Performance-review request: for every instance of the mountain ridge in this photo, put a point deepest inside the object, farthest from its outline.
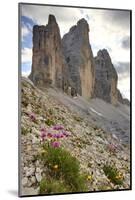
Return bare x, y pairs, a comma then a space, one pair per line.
69, 64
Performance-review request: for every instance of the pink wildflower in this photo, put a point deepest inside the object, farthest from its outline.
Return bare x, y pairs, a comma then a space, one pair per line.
43, 136
50, 135
112, 147
65, 134
32, 116
42, 129
56, 144
58, 127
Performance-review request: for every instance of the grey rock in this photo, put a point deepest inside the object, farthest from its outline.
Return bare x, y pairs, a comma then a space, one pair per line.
126, 101
35, 140
48, 64
30, 171
30, 191
37, 163
33, 180
38, 177
79, 57
24, 181
106, 79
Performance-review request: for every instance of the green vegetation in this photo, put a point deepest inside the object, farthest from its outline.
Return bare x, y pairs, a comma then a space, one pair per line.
23, 130
113, 174
49, 122
53, 186
63, 166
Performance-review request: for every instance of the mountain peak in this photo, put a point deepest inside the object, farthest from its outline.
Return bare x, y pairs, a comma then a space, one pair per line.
51, 19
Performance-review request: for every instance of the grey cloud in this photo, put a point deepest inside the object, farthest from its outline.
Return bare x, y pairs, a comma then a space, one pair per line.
125, 43
118, 17
40, 13
123, 68
87, 17
81, 11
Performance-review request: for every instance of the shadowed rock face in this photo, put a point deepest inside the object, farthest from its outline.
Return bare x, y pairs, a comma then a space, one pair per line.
48, 64
79, 57
106, 78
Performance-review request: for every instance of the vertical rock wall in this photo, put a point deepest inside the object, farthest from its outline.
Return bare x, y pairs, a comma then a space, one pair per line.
48, 64
79, 57
106, 78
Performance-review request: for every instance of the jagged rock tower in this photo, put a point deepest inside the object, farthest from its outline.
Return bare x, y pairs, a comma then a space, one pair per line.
48, 63
79, 57
106, 78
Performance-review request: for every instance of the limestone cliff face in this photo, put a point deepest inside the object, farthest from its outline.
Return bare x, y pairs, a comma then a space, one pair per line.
69, 65
79, 57
106, 78
48, 64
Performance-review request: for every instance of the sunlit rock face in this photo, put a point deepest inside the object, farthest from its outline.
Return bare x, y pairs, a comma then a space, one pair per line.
48, 63
79, 57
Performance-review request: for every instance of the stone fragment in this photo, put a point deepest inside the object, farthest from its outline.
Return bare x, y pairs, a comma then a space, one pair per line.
30, 171
24, 181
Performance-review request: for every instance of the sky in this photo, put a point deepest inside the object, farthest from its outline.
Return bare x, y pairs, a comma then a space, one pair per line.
109, 29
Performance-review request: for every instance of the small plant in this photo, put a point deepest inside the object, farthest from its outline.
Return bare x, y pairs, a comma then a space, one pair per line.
113, 174
60, 163
53, 186
23, 130
77, 118
50, 111
105, 187
49, 122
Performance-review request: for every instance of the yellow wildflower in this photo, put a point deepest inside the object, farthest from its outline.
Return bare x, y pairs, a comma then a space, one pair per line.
43, 151
55, 167
89, 178
119, 176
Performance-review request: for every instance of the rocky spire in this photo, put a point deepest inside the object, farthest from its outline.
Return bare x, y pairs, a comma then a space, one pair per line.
79, 57
48, 64
106, 78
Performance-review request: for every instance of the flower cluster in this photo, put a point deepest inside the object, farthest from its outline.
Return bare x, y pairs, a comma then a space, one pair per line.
53, 135
32, 116
112, 147
120, 176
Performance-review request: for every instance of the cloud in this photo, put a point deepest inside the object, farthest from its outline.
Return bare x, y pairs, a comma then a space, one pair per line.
26, 27
26, 68
25, 31
66, 17
26, 55
120, 18
123, 68
124, 86
125, 43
